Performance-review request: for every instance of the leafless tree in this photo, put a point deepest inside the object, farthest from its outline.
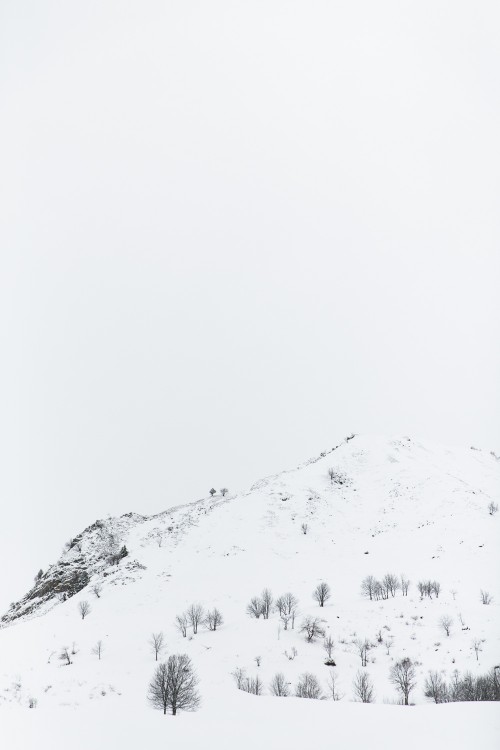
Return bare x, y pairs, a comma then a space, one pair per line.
293, 653
195, 616
257, 660
279, 686
363, 645
254, 685
312, 627
308, 687
391, 584
239, 677
368, 587
287, 606
403, 677
435, 687
446, 622
363, 687
98, 649
322, 593
476, 645
173, 686
181, 623
389, 643
331, 474
83, 609
212, 492
213, 619
65, 655
224, 491
486, 598
267, 603
492, 508
332, 686
328, 645
97, 589
156, 643
436, 588
404, 584
254, 608
304, 528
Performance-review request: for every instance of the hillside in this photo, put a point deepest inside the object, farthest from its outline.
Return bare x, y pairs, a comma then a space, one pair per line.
389, 506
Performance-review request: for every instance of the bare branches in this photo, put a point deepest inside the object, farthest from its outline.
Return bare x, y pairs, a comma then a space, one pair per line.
363, 688
308, 687
279, 686
84, 609
156, 643
312, 627
446, 622
181, 623
97, 589
98, 649
213, 619
195, 616
322, 593
173, 686
403, 677
363, 646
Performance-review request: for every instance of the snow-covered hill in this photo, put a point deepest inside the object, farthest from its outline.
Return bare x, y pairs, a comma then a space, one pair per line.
388, 506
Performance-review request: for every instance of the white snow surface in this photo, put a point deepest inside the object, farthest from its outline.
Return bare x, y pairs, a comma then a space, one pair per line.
406, 507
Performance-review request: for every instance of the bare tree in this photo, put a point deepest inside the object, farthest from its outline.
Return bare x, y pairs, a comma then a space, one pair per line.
287, 606
212, 492
328, 645
368, 587
239, 677
436, 588
304, 528
363, 687
312, 627
476, 645
322, 593
173, 686
195, 616
213, 619
446, 622
403, 677
390, 583
486, 598
97, 589
389, 643
181, 623
65, 655
83, 609
267, 603
156, 643
308, 687
404, 584
332, 686
492, 508
363, 646
279, 686
254, 608
331, 474
254, 685
98, 649
435, 687
224, 491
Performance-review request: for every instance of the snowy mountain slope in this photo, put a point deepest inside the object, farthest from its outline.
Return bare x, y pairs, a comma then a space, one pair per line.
392, 506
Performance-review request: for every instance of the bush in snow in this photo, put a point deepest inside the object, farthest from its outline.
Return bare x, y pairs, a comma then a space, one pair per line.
486, 598
363, 688
312, 627
308, 687
279, 685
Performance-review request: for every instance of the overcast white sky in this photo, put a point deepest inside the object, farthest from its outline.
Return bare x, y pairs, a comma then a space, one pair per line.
231, 233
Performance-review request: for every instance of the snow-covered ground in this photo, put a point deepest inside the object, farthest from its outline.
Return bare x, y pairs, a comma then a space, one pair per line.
404, 507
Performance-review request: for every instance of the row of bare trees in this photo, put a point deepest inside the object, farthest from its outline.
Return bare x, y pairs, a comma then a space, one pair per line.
468, 687
387, 586
195, 616
285, 605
